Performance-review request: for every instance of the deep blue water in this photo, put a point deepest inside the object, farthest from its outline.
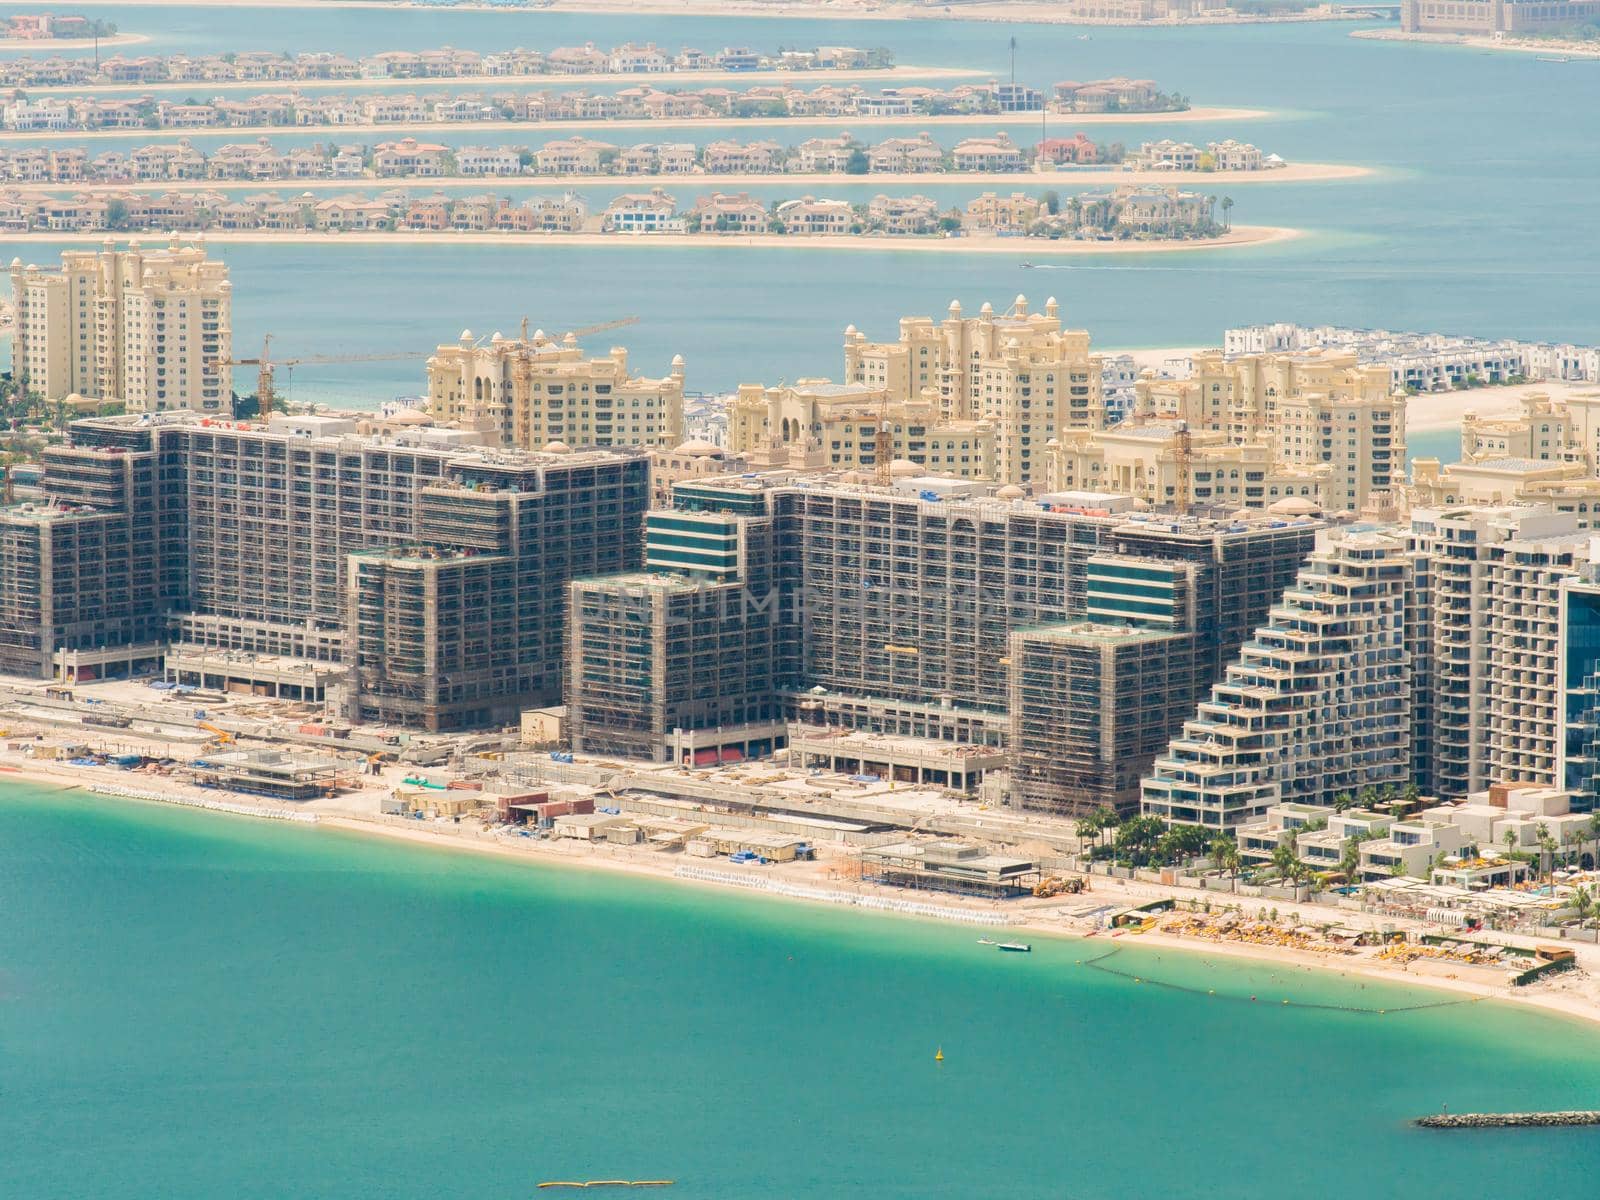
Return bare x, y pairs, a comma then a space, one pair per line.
1479, 220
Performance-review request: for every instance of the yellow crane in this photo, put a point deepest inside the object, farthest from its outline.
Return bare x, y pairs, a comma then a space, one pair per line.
883, 447
266, 365
1183, 452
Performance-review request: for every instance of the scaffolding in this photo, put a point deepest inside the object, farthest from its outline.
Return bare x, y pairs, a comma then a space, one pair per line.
1091, 706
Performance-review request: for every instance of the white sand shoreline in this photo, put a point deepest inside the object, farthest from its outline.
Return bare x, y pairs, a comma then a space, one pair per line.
1431, 412
1241, 235
584, 857
722, 125
1553, 48
716, 181
453, 83
1008, 11
58, 45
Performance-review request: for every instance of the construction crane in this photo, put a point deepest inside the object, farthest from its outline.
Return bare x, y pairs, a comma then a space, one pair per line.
1183, 452
266, 366
883, 447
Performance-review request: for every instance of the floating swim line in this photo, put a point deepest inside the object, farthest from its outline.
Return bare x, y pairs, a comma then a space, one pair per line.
1095, 963
593, 1183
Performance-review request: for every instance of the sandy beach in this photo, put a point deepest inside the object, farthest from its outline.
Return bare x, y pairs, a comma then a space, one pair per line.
1240, 235
1433, 411
1549, 47
53, 45
1295, 173
1573, 995
599, 129
476, 82
1015, 11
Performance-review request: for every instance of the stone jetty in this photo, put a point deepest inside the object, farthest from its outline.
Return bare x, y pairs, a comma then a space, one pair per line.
1532, 1120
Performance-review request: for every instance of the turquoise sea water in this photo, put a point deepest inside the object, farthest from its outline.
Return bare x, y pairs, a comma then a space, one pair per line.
1477, 221
202, 1006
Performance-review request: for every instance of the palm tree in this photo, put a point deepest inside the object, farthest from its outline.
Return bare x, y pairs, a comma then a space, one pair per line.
1089, 828
1584, 900
1227, 206
1225, 854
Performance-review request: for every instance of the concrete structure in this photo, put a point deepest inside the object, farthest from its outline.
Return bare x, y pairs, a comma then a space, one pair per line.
1493, 17
151, 328
918, 761
891, 610
1315, 706
431, 570
1020, 372
275, 773
1425, 362
1321, 412
528, 392
1482, 650
1548, 454
680, 663
814, 425
1091, 704
949, 866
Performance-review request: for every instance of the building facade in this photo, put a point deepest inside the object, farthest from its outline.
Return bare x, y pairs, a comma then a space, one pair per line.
898, 604
530, 391
1315, 705
149, 327
430, 568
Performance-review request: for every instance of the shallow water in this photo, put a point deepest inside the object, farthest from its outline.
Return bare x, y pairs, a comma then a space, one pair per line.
196, 1005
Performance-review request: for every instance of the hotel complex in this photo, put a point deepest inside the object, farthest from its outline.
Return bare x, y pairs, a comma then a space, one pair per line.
531, 391
1015, 398
1225, 602
151, 328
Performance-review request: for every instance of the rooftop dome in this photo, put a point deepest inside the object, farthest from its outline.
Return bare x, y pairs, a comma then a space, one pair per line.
411, 416
1295, 506
557, 448
696, 448
74, 398
904, 468
1010, 492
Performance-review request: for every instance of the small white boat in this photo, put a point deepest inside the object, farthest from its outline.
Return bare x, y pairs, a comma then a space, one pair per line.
1016, 947
986, 942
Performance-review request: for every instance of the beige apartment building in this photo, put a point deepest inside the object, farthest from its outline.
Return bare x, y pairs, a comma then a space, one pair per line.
1147, 461
1309, 410
816, 425
532, 391
1549, 453
1018, 371
151, 328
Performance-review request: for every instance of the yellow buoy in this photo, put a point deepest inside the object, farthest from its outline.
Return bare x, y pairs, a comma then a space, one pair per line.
938, 1055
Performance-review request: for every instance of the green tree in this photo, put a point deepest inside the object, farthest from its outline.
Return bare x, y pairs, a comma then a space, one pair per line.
1583, 899
857, 163
1284, 859
1227, 207
1051, 201
1225, 854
